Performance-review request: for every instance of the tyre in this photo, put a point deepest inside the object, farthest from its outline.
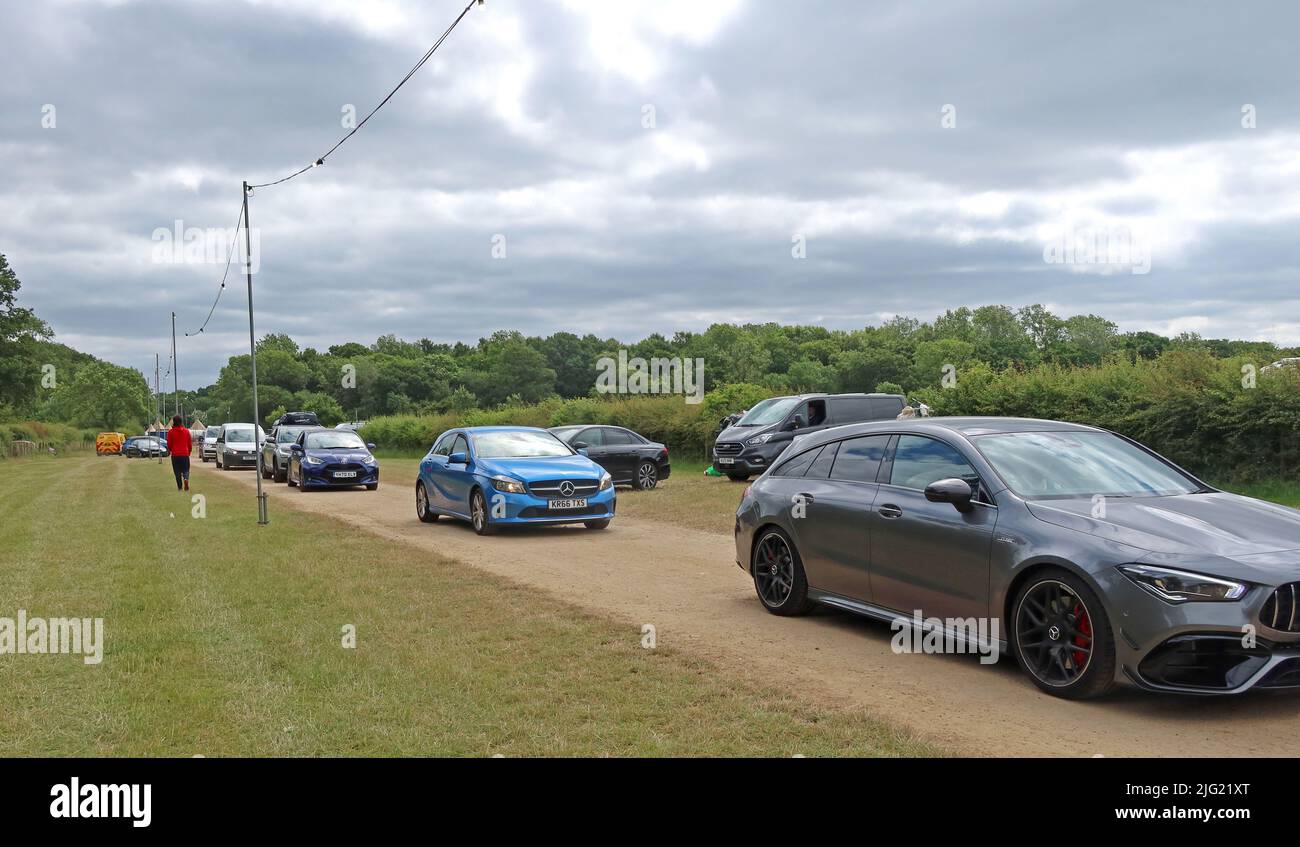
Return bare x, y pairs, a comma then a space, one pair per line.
280, 474
778, 574
601, 524
478, 514
374, 486
1062, 637
289, 479
265, 471
647, 476
203, 459
735, 477
422, 510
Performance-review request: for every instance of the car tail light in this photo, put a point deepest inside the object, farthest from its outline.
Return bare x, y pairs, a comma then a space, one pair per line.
663, 454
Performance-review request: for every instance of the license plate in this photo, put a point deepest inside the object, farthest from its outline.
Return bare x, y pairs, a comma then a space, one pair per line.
728, 461
576, 503
345, 475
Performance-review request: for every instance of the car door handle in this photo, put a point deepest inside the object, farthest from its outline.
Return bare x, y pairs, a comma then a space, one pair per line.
889, 510
805, 497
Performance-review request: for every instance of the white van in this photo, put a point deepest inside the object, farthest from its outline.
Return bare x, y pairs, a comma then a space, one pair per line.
237, 445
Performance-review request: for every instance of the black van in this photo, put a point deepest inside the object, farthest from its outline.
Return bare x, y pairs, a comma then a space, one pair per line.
755, 441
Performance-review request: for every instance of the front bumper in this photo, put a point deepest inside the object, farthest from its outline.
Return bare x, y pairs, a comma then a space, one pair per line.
1198, 648
519, 509
239, 460
324, 476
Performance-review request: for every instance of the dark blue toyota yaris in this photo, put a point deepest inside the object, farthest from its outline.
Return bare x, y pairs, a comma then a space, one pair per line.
332, 458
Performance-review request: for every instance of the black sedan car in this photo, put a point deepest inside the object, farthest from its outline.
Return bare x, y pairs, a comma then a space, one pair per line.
631, 459
143, 447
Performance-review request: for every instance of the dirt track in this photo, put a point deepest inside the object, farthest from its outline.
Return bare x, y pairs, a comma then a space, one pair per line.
686, 583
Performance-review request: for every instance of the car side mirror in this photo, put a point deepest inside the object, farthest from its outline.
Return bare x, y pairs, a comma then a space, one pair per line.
295, 448
955, 491
458, 458
797, 422
370, 445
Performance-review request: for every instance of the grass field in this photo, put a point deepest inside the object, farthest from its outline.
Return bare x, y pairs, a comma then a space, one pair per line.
224, 639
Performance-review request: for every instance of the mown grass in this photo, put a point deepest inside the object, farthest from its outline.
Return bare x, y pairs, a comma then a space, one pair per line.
224, 638
1285, 492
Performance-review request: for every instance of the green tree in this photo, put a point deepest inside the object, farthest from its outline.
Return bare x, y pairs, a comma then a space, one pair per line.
19, 330
105, 396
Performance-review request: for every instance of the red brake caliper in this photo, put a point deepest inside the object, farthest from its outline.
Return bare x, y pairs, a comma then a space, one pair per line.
1084, 638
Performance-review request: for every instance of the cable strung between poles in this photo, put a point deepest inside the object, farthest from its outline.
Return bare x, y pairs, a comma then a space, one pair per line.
230, 255
320, 160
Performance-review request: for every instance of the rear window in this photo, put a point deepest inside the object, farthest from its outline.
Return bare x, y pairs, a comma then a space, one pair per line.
798, 465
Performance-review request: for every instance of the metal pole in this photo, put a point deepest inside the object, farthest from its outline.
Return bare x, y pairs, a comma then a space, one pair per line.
176, 370
262, 519
157, 394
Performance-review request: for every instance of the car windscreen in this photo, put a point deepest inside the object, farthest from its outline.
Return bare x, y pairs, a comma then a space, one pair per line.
239, 434
1057, 465
212, 432
769, 412
334, 440
288, 434
518, 445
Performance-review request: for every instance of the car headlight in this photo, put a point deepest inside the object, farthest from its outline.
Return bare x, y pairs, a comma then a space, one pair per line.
370, 460
312, 460
1182, 587
759, 439
606, 482
507, 485
283, 451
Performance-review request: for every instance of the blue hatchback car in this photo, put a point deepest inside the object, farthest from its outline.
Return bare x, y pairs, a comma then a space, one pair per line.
495, 476
331, 458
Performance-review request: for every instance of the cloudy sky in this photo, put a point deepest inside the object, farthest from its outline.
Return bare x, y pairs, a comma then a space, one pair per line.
647, 165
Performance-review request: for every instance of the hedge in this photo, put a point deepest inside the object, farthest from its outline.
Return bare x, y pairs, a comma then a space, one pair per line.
1203, 412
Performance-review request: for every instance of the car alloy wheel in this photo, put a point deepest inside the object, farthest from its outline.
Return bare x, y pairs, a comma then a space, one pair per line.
647, 476
778, 575
478, 514
774, 570
1054, 633
422, 510
1062, 636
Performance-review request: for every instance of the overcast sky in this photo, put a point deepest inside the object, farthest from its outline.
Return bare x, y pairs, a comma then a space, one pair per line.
648, 165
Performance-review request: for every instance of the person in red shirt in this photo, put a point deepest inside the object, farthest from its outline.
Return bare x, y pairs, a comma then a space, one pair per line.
180, 445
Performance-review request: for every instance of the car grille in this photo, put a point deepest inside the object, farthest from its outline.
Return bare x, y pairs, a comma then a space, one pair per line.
550, 488
1281, 612
543, 512
728, 448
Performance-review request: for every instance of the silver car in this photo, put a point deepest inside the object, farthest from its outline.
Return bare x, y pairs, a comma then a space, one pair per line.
1094, 560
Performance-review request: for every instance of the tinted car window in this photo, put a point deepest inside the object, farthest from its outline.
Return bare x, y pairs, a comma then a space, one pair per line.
850, 409
619, 438
797, 465
884, 408
443, 446
592, 437
858, 459
919, 461
821, 466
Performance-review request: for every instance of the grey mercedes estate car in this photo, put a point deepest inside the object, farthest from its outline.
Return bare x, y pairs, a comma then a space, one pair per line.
1098, 561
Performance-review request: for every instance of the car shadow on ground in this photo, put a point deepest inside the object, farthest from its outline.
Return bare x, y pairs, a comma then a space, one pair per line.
1138, 703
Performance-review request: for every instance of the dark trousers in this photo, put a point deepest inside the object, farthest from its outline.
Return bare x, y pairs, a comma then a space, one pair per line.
181, 468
